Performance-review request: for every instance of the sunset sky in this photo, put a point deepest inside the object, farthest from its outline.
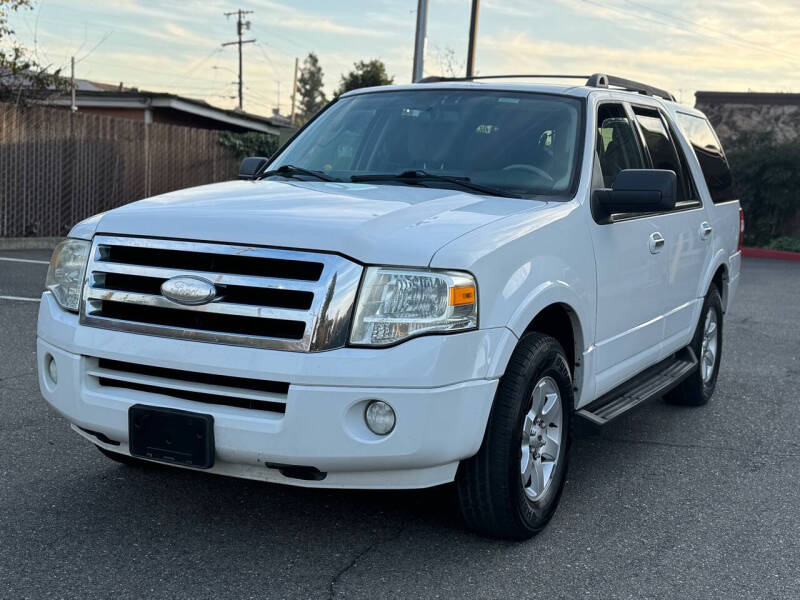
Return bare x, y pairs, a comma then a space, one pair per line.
174, 46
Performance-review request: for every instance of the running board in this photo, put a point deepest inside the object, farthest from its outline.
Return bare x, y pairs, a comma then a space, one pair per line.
650, 383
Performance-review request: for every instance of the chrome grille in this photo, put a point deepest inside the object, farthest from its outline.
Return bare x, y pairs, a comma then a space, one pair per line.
266, 297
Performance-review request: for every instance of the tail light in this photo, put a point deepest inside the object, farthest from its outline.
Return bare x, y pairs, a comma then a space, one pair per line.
741, 229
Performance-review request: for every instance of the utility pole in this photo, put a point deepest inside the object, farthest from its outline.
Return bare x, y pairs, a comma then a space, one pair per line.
278, 99
294, 86
419, 40
241, 25
473, 33
73, 107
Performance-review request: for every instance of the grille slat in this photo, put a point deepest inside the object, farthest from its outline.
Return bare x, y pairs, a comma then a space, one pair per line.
216, 278
220, 308
269, 298
199, 260
208, 388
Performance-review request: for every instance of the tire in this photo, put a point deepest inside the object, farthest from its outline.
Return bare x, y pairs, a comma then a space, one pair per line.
123, 458
697, 389
492, 497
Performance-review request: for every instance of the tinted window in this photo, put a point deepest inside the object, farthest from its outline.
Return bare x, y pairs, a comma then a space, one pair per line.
522, 143
710, 155
663, 153
617, 148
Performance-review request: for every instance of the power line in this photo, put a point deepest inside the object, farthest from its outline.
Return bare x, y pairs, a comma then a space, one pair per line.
95, 47
726, 34
241, 25
200, 62
728, 37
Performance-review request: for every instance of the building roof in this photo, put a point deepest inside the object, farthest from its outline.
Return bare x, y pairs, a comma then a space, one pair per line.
746, 98
100, 95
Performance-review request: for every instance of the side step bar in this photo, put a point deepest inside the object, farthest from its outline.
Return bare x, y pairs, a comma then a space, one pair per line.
650, 383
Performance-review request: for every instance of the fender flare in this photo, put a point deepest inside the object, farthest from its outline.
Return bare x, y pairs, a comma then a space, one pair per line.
719, 259
547, 294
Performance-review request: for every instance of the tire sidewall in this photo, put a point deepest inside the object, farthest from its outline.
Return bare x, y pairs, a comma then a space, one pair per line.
712, 302
550, 362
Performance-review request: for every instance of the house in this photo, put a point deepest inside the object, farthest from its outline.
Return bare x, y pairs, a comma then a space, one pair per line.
735, 113
159, 107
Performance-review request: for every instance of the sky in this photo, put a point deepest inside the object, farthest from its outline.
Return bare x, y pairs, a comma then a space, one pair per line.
175, 46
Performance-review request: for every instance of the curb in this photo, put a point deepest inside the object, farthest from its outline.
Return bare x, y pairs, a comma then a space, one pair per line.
31, 243
772, 254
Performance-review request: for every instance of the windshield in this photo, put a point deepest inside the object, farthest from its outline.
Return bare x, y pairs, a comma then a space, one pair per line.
515, 142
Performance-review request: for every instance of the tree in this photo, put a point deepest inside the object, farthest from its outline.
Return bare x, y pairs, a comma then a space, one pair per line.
449, 65
766, 176
309, 87
365, 74
21, 76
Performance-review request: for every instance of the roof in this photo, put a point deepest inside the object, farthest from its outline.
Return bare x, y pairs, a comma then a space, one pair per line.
575, 91
92, 94
564, 90
592, 83
747, 98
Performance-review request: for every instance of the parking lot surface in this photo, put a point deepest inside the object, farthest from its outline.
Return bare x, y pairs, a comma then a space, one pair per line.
666, 502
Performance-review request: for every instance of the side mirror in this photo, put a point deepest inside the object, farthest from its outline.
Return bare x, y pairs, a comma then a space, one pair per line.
639, 191
251, 165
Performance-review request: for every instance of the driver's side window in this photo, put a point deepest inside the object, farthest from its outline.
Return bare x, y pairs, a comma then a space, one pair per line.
617, 146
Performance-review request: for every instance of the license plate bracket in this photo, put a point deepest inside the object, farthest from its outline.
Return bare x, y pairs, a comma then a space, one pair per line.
171, 435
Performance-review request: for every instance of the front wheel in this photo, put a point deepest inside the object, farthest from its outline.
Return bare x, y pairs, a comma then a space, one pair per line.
511, 488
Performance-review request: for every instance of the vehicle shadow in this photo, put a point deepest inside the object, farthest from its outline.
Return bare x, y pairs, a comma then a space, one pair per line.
128, 498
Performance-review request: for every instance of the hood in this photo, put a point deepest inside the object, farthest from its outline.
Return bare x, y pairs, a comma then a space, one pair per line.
378, 224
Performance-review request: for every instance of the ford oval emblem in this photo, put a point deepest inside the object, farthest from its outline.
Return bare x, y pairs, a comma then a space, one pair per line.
188, 290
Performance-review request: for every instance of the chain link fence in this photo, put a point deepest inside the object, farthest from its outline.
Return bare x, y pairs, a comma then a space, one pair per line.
58, 167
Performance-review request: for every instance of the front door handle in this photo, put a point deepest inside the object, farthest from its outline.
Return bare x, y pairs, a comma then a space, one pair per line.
656, 242
705, 230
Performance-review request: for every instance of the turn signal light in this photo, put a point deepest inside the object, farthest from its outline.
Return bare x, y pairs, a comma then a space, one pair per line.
461, 295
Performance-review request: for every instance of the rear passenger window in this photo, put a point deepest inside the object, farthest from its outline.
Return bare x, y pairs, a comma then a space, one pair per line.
663, 153
617, 148
709, 154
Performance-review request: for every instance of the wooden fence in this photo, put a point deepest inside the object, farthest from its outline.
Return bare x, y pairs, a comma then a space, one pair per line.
57, 167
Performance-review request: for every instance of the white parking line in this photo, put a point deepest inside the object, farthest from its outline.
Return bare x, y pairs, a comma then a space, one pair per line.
25, 260
20, 298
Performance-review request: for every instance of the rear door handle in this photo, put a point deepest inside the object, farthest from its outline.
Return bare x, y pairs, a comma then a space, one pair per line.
656, 242
705, 230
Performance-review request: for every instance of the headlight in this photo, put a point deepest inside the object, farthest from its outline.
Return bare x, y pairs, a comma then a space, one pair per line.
65, 275
396, 304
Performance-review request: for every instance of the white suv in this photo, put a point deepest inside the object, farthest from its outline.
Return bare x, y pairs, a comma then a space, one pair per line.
428, 283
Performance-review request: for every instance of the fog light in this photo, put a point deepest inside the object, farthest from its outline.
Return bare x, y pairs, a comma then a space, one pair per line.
52, 370
379, 417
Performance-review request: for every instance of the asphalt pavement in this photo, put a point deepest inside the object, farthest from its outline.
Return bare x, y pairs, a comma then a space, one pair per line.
666, 502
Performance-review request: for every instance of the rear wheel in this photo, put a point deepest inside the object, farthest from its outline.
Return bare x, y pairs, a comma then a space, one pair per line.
698, 388
511, 488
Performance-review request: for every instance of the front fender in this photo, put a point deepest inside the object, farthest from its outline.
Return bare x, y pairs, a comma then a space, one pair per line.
525, 263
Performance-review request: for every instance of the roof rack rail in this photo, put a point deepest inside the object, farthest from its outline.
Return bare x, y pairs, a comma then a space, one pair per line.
598, 80
436, 78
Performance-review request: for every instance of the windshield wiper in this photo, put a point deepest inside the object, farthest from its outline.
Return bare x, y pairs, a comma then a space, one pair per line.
418, 175
291, 171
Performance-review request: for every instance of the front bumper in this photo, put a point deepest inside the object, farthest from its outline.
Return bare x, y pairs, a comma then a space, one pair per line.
441, 388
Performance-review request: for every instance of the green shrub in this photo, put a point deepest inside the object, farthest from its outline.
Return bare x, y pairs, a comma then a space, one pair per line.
767, 179
251, 143
790, 244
